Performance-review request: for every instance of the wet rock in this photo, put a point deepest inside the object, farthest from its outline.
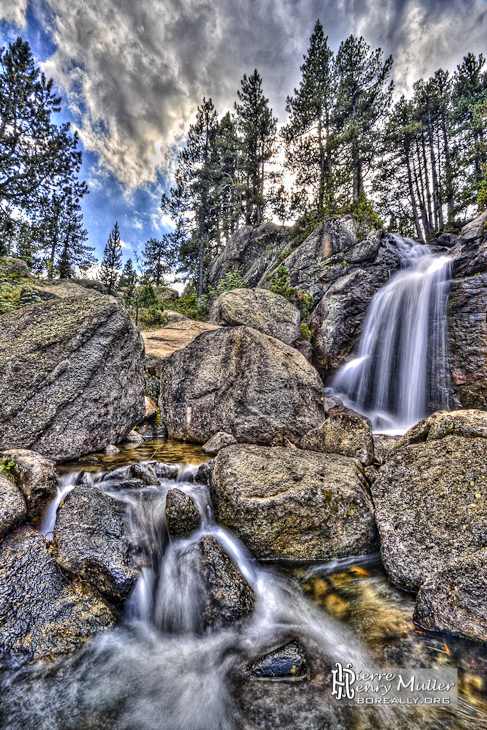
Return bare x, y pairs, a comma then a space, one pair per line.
227, 596
218, 442
91, 539
112, 450
35, 476
142, 471
260, 309
287, 662
165, 471
243, 382
342, 433
204, 472
466, 423
134, 438
332, 401
430, 499
182, 517
71, 376
13, 509
41, 613
475, 229
150, 408
291, 504
454, 599
337, 321
117, 485
467, 338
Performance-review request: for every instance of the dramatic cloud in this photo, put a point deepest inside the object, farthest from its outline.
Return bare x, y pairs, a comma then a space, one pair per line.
14, 11
134, 72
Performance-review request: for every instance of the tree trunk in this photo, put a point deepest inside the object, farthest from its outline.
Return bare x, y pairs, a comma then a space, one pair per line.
412, 197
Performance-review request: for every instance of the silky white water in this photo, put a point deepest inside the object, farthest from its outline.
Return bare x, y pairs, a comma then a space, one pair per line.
400, 374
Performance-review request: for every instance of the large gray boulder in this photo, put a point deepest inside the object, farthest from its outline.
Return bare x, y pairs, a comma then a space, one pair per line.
92, 541
345, 433
454, 599
431, 499
242, 382
261, 309
71, 376
289, 504
476, 228
35, 476
41, 613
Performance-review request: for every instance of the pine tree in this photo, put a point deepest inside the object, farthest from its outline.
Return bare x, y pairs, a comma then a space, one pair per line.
257, 128
193, 203
112, 260
63, 238
309, 135
364, 96
39, 160
158, 257
229, 189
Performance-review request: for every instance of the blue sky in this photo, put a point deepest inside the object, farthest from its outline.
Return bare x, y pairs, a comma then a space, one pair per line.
132, 74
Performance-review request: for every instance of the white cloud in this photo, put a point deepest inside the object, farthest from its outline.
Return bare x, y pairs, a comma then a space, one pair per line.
125, 245
13, 11
134, 72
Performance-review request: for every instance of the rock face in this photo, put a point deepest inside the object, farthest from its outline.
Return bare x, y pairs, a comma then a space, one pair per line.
430, 500
289, 661
227, 596
92, 543
260, 309
293, 505
338, 319
475, 229
36, 478
342, 433
40, 612
71, 376
242, 382
182, 517
454, 600
251, 251
467, 338
13, 509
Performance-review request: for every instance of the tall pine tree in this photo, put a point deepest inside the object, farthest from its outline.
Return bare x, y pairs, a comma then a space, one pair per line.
112, 260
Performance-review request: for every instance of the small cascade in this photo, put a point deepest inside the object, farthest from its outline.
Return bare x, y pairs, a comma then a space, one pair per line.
400, 374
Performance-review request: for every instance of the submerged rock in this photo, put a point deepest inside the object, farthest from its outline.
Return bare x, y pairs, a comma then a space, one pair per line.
286, 662
218, 442
13, 509
92, 541
454, 600
260, 309
41, 613
71, 376
182, 517
227, 596
291, 504
35, 476
342, 433
431, 502
243, 382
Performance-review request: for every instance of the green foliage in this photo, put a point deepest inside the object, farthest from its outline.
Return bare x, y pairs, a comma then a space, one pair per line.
362, 211
304, 227
148, 297
281, 285
153, 316
231, 280
112, 260
191, 306
6, 465
305, 332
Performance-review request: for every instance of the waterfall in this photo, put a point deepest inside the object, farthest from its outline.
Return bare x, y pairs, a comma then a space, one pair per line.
400, 374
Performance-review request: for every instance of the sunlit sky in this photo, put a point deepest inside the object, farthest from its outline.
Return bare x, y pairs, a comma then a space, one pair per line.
132, 73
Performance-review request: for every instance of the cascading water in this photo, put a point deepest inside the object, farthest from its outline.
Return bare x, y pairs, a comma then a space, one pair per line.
161, 669
400, 374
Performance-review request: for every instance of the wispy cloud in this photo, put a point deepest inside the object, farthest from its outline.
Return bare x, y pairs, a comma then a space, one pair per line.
134, 72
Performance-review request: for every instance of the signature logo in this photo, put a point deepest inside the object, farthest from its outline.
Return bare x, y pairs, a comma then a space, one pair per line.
343, 679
